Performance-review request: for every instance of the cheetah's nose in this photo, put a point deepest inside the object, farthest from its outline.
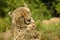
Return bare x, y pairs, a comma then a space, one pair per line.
29, 20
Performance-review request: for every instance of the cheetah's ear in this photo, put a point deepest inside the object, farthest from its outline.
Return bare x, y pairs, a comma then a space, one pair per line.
25, 5
10, 14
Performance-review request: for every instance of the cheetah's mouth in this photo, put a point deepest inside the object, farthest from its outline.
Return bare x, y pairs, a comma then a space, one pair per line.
26, 22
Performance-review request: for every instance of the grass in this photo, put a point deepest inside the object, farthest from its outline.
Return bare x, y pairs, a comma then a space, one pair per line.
49, 32
4, 24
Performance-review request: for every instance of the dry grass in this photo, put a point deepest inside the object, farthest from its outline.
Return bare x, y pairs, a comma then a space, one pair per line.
51, 21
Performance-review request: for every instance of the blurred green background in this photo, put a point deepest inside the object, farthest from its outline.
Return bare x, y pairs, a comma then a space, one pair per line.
40, 9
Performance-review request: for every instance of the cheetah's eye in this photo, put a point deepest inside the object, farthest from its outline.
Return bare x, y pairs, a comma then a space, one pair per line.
21, 17
28, 12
